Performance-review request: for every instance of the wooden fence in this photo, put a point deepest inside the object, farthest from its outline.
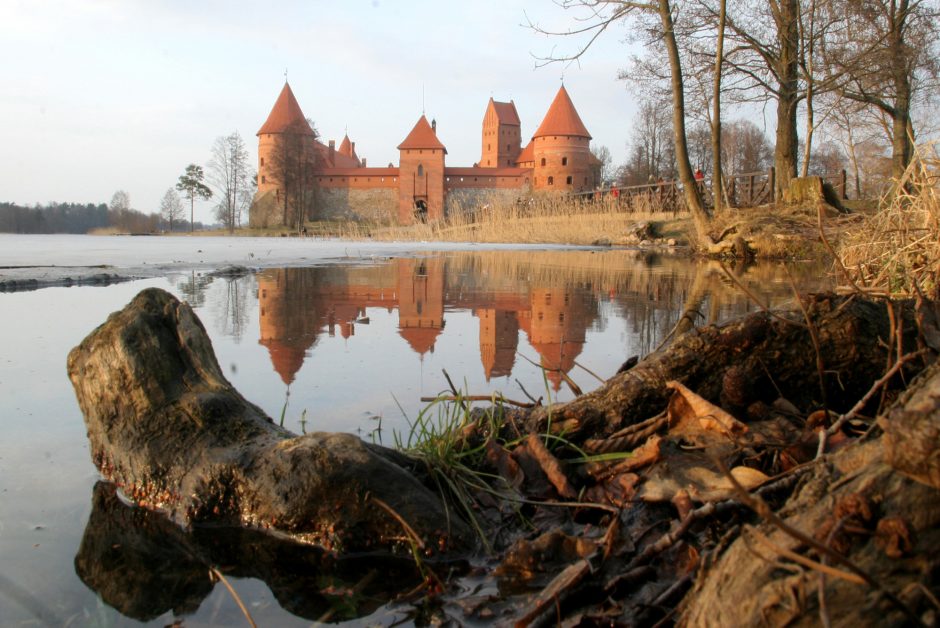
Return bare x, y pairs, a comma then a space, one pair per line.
747, 189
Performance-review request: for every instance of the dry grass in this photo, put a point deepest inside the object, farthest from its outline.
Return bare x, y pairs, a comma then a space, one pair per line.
543, 220
896, 250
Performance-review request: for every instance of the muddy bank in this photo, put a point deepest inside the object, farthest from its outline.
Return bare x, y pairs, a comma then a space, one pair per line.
24, 278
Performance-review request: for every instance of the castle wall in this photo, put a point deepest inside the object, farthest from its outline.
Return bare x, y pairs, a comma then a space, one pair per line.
371, 204
471, 199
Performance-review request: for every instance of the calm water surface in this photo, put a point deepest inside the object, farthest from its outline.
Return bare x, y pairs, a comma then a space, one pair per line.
334, 347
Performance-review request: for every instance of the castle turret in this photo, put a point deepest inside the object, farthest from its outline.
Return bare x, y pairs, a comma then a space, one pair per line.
501, 135
286, 117
421, 175
561, 149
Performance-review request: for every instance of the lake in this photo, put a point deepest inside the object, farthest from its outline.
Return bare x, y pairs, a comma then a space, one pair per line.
332, 336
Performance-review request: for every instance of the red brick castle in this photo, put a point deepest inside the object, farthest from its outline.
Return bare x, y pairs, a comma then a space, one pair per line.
333, 183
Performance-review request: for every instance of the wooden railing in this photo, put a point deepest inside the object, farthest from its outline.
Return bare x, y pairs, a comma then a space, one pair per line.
748, 189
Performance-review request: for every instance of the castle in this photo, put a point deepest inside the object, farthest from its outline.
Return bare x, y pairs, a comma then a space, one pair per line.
331, 183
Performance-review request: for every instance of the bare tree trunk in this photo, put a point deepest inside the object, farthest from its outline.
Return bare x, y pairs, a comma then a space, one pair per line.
787, 146
717, 180
693, 199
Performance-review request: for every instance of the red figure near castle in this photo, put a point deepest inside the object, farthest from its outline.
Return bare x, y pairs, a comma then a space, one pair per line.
556, 160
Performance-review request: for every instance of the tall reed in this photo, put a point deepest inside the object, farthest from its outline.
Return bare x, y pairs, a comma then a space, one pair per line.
897, 249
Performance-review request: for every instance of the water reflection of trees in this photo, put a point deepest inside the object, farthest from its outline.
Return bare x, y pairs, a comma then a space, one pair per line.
193, 288
231, 309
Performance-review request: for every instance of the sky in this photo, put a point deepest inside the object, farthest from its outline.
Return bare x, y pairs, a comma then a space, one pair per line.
102, 95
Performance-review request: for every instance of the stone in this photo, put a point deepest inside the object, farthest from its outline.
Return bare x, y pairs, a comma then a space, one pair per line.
172, 433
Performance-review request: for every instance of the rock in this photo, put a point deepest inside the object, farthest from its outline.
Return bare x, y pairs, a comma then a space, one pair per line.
643, 230
601, 242
173, 434
231, 272
671, 242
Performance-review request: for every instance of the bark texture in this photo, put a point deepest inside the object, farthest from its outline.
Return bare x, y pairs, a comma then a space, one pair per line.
760, 356
167, 427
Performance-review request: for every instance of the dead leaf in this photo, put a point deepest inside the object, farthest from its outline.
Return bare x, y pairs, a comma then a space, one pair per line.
507, 468
551, 467
644, 455
685, 407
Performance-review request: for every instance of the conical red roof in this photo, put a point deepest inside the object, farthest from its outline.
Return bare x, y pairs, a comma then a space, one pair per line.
422, 136
527, 154
286, 115
562, 118
345, 147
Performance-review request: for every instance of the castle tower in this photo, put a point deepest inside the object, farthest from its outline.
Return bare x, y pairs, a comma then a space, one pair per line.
286, 118
501, 135
421, 302
421, 175
561, 149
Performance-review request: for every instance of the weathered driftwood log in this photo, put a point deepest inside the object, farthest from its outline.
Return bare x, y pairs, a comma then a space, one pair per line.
167, 427
756, 358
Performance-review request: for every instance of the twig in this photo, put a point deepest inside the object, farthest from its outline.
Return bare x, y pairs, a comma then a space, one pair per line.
404, 524
760, 507
820, 367
835, 427
525, 392
218, 574
590, 372
803, 560
838, 260
626, 441
757, 301
499, 398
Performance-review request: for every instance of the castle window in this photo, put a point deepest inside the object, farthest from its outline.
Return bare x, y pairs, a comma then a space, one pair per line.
331, 179
527, 180
564, 161
487, 148
508, 147
568, 180
508, 162
543, 161
262, 162
474, 178
263, 180
551, 180
420, 170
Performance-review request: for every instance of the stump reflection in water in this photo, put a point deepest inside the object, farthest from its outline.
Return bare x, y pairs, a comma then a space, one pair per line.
144, 565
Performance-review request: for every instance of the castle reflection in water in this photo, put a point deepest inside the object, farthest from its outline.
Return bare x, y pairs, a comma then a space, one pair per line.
299, 304
555, 298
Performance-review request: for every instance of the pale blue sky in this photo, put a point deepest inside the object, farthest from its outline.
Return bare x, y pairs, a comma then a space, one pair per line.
101, 95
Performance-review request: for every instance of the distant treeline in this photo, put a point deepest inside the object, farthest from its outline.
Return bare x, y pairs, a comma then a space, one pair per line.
79, 218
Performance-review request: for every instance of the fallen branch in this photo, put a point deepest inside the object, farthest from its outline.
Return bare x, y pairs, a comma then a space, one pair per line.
215, 573
498, 398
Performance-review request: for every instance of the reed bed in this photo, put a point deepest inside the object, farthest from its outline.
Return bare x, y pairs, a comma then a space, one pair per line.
541, 220
896, 250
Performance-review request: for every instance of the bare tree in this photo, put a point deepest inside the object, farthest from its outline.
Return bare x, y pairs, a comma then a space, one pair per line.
228, 175
171, 208
745, 148
293, 164
605, 167
888, 54
600, 15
